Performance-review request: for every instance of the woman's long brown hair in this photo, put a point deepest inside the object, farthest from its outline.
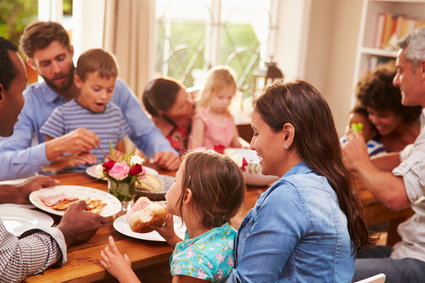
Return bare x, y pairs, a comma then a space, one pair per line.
316, 142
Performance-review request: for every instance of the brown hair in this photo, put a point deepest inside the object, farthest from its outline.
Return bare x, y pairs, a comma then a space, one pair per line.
96, 60
217, 186
376, 90
316, 142
39, 35
218, 78
160, 94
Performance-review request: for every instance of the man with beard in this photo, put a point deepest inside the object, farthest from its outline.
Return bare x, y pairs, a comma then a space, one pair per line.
48, 51
36, 249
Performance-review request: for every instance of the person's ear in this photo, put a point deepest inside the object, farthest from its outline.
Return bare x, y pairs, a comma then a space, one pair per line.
71, 50
187, 197
77, 80
31, 63
288, 132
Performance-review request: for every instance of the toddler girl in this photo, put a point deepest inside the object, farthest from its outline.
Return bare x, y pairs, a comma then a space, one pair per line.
213, 124
208, 191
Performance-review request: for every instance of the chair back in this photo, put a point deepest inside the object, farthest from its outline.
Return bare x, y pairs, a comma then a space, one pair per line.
379, 278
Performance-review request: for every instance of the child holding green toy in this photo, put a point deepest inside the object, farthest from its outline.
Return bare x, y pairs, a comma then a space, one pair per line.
359, 122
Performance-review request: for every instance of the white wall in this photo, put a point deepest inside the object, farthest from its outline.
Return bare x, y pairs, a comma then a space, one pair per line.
331, 53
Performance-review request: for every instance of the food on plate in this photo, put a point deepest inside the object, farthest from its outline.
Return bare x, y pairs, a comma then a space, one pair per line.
62, 202
94, 205
149, 183
58, 202
144, 214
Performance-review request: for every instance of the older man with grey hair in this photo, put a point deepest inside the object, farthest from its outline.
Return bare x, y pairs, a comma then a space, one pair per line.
398, 180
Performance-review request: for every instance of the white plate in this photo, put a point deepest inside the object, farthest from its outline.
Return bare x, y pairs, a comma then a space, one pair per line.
252, 174
113, 205
19, 220
92, 172
120, 224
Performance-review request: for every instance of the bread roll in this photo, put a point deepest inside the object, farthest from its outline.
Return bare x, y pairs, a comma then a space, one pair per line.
144, 214
149, 183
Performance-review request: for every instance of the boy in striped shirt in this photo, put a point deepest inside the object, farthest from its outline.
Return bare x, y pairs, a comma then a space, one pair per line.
95, 76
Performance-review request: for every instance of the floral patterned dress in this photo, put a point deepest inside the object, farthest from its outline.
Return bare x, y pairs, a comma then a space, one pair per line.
208, 256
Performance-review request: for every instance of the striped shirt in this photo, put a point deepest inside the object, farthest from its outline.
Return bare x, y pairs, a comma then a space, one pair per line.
33, 252
110, 126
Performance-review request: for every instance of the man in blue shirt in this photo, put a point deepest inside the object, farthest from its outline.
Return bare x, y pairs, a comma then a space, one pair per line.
47, 47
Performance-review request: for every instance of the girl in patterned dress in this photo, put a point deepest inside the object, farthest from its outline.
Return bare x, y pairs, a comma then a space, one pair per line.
208, 191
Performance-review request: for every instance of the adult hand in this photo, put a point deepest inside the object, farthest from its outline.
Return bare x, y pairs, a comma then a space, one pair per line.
65, 161
354, 152
78, 225
75, 142
167, 159
33, 184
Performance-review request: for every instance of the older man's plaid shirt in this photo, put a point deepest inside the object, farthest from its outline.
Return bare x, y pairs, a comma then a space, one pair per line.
32, 253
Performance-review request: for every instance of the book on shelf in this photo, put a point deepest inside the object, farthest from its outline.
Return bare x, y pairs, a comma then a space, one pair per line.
390, 28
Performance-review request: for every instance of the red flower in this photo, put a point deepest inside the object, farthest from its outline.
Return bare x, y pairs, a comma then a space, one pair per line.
244, 164
108, 165
135, 169
219, 148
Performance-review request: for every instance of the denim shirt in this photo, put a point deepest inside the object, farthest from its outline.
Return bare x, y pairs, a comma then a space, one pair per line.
24, 153
296, 232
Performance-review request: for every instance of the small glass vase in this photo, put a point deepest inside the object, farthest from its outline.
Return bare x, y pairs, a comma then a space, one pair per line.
123, 191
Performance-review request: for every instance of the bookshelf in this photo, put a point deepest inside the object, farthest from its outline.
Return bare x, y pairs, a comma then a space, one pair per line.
383, 23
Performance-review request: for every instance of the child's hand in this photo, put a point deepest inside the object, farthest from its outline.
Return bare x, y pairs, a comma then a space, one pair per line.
115, 263
167, 231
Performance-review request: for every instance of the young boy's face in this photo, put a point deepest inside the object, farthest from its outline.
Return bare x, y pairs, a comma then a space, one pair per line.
95, 92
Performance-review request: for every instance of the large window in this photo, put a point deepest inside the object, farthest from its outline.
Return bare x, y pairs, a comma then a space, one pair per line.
194, 35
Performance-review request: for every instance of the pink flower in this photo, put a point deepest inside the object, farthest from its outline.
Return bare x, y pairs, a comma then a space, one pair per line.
119, 171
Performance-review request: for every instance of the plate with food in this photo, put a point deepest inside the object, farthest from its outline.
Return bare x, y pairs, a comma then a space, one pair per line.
57, 199
19, 220
252, 171
153, 187
143, 215
96, 171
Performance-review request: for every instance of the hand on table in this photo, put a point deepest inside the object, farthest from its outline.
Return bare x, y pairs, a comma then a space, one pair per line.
78, 225
117, 264
167, 159
33, 184
65, 161
75, 142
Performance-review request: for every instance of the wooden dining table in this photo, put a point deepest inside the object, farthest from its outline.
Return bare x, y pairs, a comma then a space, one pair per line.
150, 259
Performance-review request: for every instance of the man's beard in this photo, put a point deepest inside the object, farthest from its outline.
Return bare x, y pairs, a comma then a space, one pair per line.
65, 85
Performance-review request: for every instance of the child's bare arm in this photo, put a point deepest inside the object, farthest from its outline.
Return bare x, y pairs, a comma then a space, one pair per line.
197, 134
235, 141
115, 263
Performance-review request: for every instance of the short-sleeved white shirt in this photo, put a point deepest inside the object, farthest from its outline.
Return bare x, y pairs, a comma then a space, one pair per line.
412, 169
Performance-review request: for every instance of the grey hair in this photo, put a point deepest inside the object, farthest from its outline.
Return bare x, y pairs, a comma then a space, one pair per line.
414, 44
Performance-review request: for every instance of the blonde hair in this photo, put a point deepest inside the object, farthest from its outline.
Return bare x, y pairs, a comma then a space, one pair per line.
218, 78
96, 60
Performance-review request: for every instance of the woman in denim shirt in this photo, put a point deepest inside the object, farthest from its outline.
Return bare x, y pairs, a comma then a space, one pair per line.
307, 226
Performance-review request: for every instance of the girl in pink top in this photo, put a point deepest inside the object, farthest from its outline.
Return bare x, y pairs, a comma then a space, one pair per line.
213, 124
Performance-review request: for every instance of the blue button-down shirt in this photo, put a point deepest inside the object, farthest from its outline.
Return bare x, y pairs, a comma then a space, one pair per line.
24, 153
296, 232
